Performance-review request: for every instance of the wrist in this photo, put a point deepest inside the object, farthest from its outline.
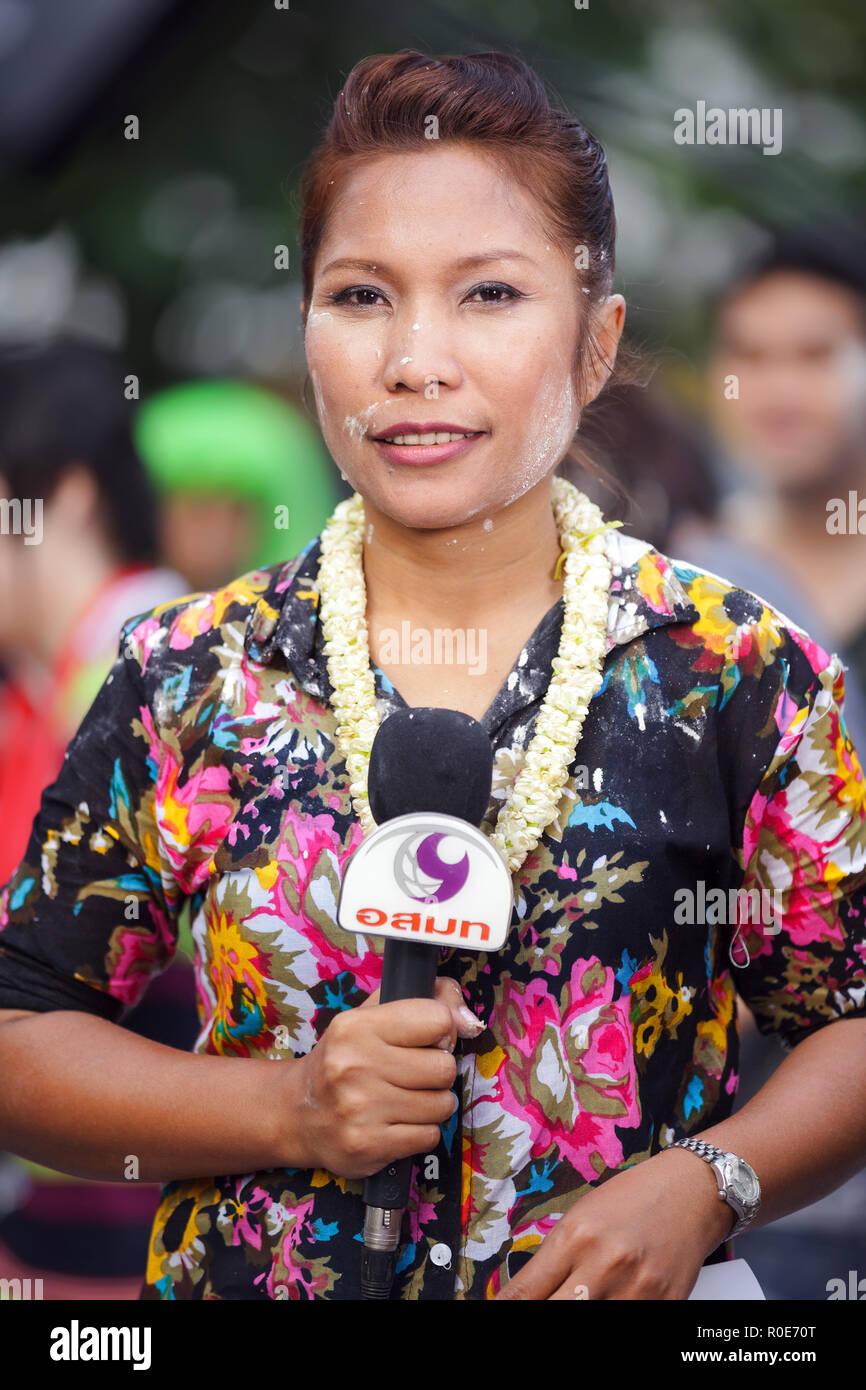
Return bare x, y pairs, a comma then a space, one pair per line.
282, 1097
702, 1197
736, 1179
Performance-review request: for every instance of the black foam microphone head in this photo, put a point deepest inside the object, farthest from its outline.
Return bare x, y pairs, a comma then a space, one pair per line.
430, 759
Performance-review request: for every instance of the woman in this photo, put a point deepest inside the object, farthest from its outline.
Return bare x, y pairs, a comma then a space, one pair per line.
665, 746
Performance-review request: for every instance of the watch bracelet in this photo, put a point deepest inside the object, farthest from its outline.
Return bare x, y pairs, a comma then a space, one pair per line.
699, 1146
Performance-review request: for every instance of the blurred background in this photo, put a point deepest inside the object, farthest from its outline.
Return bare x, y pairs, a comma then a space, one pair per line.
152, 380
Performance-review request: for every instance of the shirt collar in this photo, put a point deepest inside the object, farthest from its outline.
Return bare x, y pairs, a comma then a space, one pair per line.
645, 592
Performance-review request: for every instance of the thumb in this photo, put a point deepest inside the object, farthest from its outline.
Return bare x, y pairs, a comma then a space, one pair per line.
464, 1024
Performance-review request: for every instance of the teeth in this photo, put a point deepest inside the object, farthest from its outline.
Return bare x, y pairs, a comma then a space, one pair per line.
443, 437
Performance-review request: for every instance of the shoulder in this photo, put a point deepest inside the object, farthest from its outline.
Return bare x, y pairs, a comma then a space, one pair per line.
734, 633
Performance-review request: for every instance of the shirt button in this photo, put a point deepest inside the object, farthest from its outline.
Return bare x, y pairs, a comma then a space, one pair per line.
441, 1255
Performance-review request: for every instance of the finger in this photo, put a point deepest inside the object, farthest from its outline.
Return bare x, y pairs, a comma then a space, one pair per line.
417, 1107
465, 1023
405, 1141
416, 1068
544, 1274
596, 1276
449, 993
446, 1041
574, 1288
414, 1022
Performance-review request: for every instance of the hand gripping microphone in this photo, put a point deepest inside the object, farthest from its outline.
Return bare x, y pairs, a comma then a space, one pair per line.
425, 878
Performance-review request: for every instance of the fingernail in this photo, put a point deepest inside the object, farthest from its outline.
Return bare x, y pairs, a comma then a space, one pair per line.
446, 1043
468, 1019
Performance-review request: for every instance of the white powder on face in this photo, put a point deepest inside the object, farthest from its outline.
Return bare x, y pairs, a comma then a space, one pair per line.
353, 425
553, 423
320, 400
357, 426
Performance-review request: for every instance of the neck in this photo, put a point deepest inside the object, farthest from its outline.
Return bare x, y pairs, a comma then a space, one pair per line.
457, 574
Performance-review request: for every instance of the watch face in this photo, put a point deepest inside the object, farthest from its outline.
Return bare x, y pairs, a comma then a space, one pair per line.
743, 1181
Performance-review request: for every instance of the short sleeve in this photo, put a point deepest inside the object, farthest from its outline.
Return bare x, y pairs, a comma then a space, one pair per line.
91, 912
800, 940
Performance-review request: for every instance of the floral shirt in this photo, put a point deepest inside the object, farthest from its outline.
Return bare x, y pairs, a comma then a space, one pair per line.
711, 838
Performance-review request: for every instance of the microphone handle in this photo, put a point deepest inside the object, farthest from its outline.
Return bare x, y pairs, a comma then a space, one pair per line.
408, 972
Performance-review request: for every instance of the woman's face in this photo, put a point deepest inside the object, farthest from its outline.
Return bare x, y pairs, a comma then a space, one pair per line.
415, 335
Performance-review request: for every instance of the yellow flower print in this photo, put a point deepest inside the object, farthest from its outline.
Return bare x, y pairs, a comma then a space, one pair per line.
243, 1013
734, 623
176, 1245
655, 1006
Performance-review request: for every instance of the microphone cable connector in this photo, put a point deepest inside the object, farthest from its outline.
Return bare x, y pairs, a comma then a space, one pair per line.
379, 1261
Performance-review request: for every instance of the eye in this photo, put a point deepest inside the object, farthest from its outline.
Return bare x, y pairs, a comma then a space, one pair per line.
343, 296
816, 352
346, 296
745, 352
504, 289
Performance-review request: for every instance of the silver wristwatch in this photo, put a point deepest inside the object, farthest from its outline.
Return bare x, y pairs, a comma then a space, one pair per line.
738, 1182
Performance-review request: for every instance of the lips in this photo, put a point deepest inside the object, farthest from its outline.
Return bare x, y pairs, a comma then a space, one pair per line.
425, 427
421, 455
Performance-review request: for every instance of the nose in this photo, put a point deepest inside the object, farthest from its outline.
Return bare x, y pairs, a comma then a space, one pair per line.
420, 355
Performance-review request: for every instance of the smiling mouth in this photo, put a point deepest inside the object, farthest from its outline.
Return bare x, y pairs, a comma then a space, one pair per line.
432, 437
421, 448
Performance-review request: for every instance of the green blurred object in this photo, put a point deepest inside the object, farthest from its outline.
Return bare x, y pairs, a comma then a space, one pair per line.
234, 439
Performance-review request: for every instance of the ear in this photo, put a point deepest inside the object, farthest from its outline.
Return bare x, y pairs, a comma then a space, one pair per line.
606, 331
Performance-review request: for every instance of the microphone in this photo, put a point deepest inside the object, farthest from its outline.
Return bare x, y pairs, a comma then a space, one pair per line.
426, 877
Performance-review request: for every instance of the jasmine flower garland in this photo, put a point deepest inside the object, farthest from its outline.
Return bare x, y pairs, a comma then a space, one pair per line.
577, 668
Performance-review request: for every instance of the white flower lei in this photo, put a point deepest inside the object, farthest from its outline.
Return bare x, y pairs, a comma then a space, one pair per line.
532, 802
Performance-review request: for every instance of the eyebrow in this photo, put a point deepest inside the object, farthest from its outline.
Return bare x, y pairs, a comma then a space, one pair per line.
464, 263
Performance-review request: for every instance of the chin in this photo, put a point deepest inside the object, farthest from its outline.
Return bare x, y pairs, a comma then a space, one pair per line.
794, 469
434, 505
442, 517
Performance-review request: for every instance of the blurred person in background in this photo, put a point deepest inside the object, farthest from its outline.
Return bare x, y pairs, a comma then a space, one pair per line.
787, 393
787, 379
243, 479
68, 466
77, 548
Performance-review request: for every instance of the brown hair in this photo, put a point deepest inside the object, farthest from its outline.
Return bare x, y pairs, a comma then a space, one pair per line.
494, 101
